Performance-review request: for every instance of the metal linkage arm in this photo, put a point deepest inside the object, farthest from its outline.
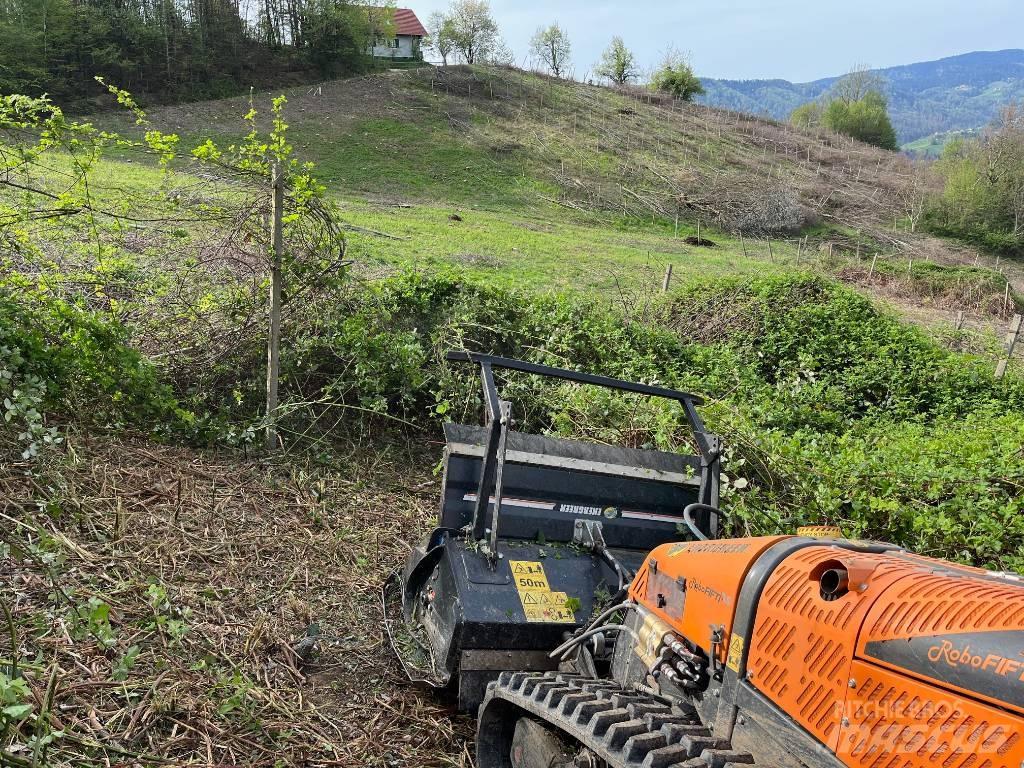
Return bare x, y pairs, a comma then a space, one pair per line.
708, 444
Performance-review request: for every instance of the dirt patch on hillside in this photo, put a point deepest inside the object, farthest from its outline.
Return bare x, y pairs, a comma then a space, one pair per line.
173, 607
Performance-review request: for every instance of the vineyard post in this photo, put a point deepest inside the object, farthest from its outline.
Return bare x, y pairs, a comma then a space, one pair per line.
274, 342
1011, 341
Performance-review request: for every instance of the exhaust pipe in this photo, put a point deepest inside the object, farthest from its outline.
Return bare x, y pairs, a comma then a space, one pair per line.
835, 583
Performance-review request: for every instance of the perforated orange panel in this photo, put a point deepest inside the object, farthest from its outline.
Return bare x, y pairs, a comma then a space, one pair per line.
954, 629
803, 646
896, 722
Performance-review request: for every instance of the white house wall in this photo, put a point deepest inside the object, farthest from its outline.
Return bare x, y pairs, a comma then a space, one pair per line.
405, 49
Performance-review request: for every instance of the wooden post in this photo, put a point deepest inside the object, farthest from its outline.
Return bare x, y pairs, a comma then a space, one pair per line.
959, 326
698, 231
871, 271
910, 267
771, 253
274, 341
1006, 298
1011, 341
743, 245
677, 229
668, 279
799, 248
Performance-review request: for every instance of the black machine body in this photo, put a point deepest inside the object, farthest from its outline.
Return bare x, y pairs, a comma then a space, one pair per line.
538, 533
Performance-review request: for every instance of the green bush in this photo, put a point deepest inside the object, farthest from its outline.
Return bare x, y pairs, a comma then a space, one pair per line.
866, 119
950, 489
60, 359
804, 353
832, 410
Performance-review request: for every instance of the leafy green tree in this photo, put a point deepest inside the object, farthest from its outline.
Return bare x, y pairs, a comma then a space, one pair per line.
551, 45
866, 119
675, 76
337, 38
178, 48
807, 115
475, 32
855, 107
983, 185
618, 64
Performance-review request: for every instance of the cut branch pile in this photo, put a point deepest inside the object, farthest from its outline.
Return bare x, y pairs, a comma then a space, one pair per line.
171, 608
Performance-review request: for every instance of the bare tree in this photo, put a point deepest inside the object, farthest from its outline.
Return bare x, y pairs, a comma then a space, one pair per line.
857, 84
1007, 149
501, 54
442, 35
551, 45
913, 195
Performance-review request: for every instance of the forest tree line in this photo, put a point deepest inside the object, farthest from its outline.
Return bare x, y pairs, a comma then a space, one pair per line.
173, 49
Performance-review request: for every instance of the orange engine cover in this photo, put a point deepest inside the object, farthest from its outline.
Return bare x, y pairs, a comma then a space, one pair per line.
910, 663
918, 664
694, 587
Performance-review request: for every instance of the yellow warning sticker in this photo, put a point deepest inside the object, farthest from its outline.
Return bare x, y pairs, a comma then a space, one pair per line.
539, 602
735, 653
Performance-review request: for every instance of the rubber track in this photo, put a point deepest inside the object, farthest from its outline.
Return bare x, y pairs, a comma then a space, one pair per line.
626, 729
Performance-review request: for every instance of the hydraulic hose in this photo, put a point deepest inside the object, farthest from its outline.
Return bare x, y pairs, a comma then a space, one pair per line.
688, 518
594, 627
624, 574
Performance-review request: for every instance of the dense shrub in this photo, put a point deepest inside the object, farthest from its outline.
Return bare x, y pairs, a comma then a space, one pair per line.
59, 358
951, 489
832, 410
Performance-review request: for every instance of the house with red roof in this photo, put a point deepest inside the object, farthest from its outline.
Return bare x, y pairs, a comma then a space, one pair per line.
398, 34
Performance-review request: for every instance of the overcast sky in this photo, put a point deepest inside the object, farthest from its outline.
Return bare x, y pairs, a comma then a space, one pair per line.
797, 40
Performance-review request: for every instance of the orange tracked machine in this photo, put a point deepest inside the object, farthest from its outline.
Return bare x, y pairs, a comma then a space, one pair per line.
578, 599
790, 651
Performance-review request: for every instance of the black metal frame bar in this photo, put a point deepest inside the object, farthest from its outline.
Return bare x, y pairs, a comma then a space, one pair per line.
709, 445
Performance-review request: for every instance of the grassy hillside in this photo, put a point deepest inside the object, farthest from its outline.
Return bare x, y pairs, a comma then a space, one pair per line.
952, 94
931, 147
541, 169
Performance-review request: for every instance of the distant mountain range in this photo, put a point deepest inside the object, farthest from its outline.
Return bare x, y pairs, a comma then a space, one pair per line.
954, 94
